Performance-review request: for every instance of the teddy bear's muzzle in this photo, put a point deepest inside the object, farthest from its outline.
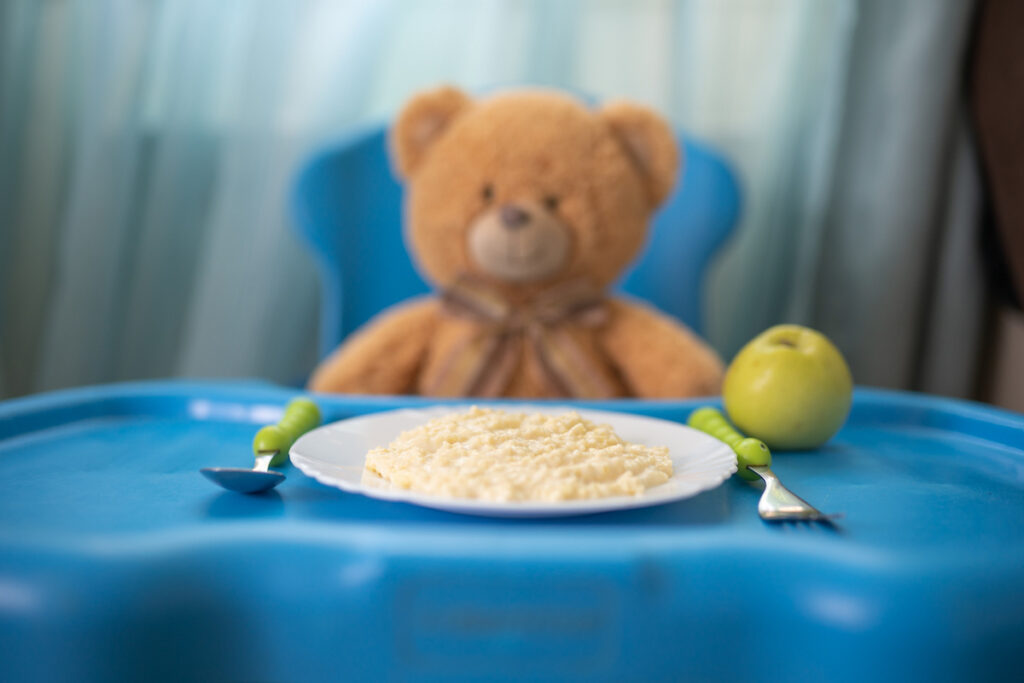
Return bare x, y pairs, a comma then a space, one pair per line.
518, 243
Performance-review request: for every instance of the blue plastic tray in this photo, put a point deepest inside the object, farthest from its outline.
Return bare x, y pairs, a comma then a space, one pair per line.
119, 561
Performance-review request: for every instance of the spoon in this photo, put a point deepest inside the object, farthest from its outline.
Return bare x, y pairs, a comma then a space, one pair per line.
270, 447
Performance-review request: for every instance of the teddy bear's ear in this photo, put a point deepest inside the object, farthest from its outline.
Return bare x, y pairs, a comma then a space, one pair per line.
421, 122
649, 142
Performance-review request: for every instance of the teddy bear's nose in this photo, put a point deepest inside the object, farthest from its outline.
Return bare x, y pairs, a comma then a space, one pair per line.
513, 217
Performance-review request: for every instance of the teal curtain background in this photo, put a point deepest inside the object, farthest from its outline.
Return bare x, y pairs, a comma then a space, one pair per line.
147, 150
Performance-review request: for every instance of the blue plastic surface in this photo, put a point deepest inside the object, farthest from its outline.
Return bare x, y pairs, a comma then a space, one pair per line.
348, 207
119, 561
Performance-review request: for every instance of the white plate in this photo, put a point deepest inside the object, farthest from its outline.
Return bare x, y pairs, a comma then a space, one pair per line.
335, 453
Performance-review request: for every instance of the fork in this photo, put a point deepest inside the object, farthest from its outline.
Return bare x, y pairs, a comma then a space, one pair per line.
777, 504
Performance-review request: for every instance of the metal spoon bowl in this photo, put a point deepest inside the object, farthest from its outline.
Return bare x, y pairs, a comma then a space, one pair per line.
242, 480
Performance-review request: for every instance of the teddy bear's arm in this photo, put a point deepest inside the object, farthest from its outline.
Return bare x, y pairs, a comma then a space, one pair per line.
383, 356
656, 356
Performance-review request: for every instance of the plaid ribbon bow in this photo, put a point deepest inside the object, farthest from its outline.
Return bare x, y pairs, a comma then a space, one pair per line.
483, 362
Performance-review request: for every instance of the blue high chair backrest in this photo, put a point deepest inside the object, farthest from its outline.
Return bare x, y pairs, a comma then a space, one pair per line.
348, 205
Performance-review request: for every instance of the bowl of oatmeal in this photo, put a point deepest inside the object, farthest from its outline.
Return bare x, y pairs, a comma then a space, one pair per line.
515, 461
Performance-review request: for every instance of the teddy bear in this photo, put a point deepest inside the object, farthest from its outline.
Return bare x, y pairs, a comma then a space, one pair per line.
521, 209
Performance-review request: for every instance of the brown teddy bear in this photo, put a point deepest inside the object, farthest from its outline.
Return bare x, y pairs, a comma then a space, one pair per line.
522, 208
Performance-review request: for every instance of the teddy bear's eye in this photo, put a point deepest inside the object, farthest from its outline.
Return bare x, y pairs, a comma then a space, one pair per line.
488, 192
551, 202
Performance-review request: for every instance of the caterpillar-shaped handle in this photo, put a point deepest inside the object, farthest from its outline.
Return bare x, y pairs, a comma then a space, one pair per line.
300, 416
748, 451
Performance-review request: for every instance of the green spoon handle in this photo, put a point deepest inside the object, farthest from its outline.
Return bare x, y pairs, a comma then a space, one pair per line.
748, 451
300, 416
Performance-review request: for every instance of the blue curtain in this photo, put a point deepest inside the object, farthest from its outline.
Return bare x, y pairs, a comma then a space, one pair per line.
147, 149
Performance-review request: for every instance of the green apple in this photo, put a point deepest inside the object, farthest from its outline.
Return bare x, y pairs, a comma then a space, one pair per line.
789, 387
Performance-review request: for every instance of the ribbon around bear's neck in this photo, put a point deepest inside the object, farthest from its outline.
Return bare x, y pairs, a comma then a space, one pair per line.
484, 363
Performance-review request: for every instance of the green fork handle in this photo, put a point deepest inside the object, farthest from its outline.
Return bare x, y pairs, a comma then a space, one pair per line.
748, 451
